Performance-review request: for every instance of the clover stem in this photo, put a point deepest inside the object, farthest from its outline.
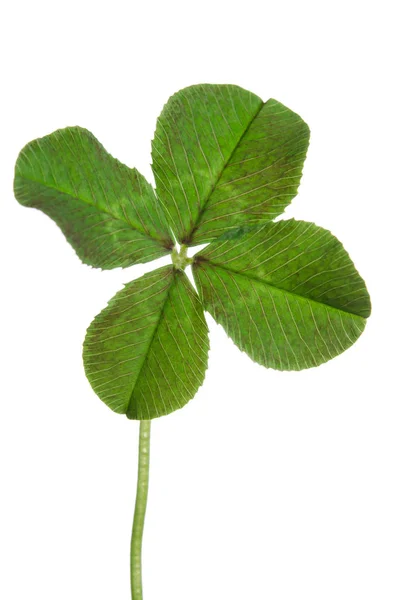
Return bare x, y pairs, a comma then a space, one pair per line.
140, 510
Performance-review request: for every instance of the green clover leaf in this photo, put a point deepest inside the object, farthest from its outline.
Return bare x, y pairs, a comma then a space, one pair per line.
222, 158
108, 212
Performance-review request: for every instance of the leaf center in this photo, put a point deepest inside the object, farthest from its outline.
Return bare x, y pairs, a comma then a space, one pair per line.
179, 257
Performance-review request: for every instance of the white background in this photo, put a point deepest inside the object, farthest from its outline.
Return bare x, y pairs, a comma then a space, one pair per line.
268, 485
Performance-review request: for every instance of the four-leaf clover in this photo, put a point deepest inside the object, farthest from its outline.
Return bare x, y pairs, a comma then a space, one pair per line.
225, 165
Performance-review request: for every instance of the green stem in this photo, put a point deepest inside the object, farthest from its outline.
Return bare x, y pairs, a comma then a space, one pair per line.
140, 510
